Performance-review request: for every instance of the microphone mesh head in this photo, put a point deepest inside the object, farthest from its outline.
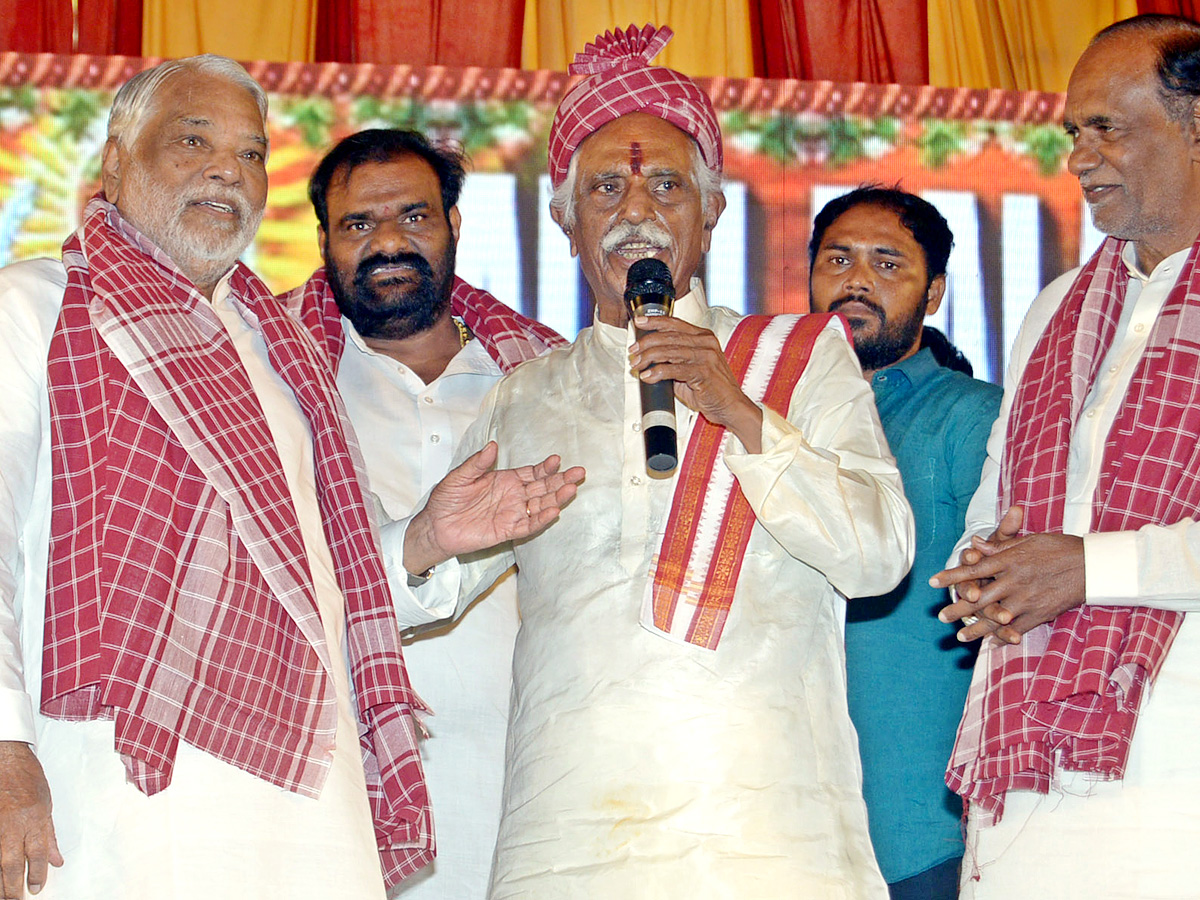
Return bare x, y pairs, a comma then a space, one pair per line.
649, 276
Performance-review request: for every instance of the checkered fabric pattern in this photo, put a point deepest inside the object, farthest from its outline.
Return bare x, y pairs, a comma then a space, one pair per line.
710, 522
1073, 687
509, 337
623, 81
179, 599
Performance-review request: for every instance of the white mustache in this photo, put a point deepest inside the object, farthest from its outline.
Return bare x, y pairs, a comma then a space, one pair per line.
647, 232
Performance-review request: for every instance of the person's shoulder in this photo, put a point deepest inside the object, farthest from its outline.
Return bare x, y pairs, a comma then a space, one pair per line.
31, 295
32, 275
972, 396
955, 397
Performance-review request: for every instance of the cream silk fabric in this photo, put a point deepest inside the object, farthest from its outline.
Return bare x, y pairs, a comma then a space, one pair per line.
1147, 825
639, 768
216, 831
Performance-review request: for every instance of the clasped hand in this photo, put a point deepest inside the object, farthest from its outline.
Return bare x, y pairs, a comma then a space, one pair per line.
1011, 583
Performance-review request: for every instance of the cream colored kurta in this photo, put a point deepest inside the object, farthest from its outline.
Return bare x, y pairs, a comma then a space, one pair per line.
215, 831
640, 768
1132, 839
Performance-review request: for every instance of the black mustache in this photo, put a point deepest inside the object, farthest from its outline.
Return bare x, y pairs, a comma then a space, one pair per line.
856, 298
414, 260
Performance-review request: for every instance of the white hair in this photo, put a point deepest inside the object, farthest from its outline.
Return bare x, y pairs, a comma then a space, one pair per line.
708, 182
137, 98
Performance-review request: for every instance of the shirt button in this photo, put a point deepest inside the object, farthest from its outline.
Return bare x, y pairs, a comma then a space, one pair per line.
1112, 370
637, 426
434, 438
636, 481
1139, 327
1091, 414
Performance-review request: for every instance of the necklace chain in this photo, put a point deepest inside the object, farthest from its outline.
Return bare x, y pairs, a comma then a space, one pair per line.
464, 333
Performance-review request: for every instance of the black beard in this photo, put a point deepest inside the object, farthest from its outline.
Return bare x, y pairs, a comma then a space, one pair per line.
377, 312
890, 342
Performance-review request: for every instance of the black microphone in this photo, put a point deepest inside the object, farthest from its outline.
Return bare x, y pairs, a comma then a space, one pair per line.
649, 291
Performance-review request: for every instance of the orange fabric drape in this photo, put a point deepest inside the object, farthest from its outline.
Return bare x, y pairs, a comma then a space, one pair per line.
279, 30
712, 37
1026, 45
422, 32
36, 26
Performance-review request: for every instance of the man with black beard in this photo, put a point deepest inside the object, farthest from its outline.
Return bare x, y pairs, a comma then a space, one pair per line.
419, 350
878, 256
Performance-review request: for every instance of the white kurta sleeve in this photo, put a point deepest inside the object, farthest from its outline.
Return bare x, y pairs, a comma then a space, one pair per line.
30, 294
825, 484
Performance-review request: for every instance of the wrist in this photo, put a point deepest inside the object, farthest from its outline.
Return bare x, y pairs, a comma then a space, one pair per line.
421, 551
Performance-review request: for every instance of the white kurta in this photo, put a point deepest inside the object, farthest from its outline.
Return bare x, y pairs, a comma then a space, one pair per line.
640, 768
215, 831
408, 431
1136, 838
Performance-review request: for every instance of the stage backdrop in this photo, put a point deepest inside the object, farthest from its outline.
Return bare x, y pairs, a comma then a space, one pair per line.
992, 161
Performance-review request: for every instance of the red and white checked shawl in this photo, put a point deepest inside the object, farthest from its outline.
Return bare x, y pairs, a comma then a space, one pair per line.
709, 525
623, 81
179, 599
509, 337
1074, 686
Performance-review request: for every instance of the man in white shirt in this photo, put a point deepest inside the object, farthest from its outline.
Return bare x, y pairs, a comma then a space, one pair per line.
1076, 753
413, 374
679, 724
197, 634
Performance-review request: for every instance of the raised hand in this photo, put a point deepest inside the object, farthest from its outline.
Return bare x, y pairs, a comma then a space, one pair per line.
475, 507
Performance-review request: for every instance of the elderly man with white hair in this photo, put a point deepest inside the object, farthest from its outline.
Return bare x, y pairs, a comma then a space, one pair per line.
201, 661
679, 726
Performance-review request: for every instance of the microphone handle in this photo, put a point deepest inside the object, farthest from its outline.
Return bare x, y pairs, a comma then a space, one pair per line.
658, 423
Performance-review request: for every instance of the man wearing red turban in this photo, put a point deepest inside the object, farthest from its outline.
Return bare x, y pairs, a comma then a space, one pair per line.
679, 723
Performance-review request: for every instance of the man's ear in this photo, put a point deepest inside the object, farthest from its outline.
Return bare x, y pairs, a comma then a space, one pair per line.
110, 170
712, 212
557, 216
1194, 122
933, 296
321, 243
455, 219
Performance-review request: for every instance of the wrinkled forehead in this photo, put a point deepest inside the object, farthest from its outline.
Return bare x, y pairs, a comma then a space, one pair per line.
207, 101
637, 141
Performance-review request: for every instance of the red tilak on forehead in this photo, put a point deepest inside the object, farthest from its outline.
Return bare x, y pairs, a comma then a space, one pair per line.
635, 158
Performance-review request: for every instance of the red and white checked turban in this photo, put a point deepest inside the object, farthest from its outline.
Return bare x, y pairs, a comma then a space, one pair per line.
623, 82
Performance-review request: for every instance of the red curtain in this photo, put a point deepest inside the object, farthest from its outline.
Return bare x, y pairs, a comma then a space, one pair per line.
879, 41
420, 32
36, 26
106, 27
110, 27
780, 35
1188, 8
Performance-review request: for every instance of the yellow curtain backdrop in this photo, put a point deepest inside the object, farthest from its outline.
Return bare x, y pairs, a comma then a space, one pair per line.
712, 37
1027, 45
277, 30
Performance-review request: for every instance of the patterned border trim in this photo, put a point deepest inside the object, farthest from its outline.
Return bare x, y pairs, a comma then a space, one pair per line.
441, 83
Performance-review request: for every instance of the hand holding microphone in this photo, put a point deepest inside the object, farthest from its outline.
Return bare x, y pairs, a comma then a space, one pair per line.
650, 291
